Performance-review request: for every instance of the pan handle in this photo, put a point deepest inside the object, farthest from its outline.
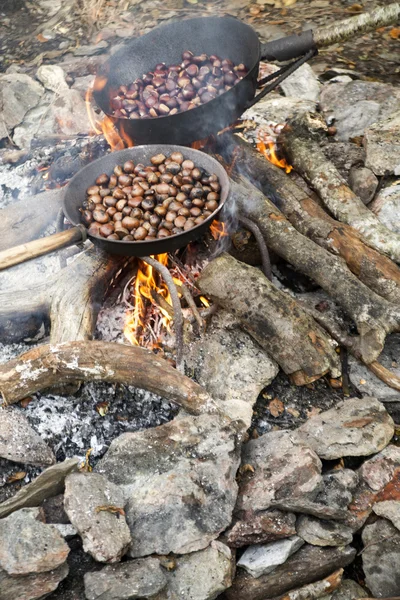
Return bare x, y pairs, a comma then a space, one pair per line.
19, 254
289, 47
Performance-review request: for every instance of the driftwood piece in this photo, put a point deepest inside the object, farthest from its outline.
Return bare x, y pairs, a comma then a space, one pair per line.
50, 365
273, 318
376, 271
374, 316
26, 220
300, 140
315, 590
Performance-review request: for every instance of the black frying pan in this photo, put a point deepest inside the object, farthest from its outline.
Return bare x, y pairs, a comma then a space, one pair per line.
228, 38
76, 193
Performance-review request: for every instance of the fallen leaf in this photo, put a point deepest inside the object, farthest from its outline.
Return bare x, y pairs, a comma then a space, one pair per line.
85, 465
16, 477
111, 509
24, 403
312, 336
335, 383
395, 33
276, 407
313, 412
358, 423
102, 408
246, 469
355, 8
293, 411
41, 38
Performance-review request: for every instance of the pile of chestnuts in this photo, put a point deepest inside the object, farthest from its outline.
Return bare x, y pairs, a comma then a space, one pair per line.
177, 88
139, 202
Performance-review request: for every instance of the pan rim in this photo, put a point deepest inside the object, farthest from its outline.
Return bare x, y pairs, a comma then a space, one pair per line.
225, 185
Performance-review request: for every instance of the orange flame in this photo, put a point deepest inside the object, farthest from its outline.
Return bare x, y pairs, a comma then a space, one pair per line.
270, 155
204, 301
218, 230
146, 281
117, 140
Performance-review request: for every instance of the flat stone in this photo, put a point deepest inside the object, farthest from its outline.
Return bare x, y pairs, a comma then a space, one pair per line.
247, 369
309, 564
31, 587
307, 507
354, 427
386, 206
381, 558
20, 443
141, 578
29, 546
194, 461
52, 77
19, 93
284, 467
367, 383
200, 575
363, 182
338, 488
357, 104
302, 84
275, 108
262, 559
91, 50
389, 509
382, 145
319, 532
105, 534
261, 528
46, 485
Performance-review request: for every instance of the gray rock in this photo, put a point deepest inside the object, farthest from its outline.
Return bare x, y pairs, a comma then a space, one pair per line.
62, 114
20, 443
104, 533
367, 383
92, 49
358, 104
19, 93
67, 530
52, 77
323, 533
31, 587
29, 546
82, 84
309, 564
381, 558
277, 109
348, 590
264, 558
247, 369
142, 578
264, 527
200, 575
302, 84
307, 507
284, 467
386, 206
193, 461
345, 155
389, 509
338, 488
354, 427
46, 485
363, 182
382, 145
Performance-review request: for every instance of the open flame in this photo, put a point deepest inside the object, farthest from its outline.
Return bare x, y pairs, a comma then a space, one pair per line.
140, 326
118, 140
218, 230
270, 154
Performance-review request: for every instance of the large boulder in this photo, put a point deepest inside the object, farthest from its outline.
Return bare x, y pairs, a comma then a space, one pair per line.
19, 93
179, 482
382, 145
381, 558
31, 587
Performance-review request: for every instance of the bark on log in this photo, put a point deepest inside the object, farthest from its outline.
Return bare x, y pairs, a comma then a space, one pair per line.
374, 316
49, 364
300, 140
26, 220
376, 271
274, 319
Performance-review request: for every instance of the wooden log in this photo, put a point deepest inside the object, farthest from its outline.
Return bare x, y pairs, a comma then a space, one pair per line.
374, 316
27, 219
315, 590
376, 271
47, 365
24, 252
300, 141
273, 318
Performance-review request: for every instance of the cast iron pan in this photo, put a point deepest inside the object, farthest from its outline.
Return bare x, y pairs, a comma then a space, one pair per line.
76, 193
228, 38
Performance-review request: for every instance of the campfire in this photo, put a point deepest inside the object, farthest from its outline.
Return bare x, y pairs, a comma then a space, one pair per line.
199, 326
